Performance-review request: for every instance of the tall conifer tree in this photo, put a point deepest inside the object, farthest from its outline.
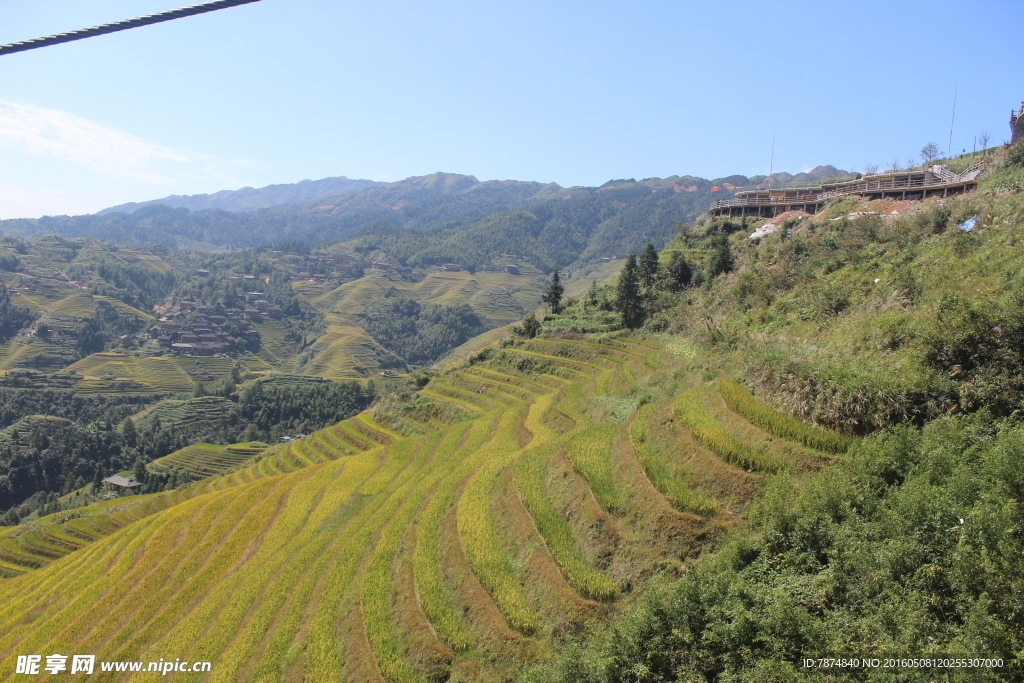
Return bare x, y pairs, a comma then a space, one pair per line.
648, 265
553, 297
680, 271
627, 300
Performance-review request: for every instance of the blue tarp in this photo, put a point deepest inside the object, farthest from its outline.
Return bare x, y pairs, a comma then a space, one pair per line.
968, 224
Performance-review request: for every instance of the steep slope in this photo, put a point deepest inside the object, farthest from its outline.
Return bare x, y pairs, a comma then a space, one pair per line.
900, 320
465, 550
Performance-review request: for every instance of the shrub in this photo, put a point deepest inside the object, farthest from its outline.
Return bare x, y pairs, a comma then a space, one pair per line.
1016, 154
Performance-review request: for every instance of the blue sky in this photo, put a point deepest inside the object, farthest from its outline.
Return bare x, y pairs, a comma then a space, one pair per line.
572, 92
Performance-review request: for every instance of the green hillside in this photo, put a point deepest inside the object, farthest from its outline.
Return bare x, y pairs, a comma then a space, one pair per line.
204, 460
552, 502
741, 455
443, 215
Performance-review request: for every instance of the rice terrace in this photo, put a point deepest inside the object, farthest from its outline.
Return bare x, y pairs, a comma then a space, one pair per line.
437, 427
464, 551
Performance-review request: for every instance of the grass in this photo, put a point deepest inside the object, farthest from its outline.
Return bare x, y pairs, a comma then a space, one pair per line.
489, 562
376, 585
210, 366
689, 407
436, 595
530, 474
590, 448
783, 426
658, 466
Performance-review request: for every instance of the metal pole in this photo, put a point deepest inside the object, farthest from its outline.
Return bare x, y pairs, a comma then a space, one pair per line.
949, 146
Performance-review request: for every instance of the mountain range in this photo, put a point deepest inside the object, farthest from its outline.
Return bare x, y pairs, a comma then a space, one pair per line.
435, 218
250, 198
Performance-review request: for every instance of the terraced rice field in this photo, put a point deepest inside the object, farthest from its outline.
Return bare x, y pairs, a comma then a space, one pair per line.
274, 348
74, 306
180, 413
36, 302
204, 459
115, 372
346, 351
209, 366
357, 554
257, 364
125, 309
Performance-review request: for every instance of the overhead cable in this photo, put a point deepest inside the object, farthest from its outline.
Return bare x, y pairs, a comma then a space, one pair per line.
122, 25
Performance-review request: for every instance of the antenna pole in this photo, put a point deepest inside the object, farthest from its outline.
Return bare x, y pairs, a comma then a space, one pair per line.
949, 146
771, 164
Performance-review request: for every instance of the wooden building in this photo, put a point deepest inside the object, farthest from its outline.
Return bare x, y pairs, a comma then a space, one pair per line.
934, 181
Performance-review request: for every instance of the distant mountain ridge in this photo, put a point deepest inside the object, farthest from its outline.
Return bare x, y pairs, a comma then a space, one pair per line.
250, 198
438, 218
816, 174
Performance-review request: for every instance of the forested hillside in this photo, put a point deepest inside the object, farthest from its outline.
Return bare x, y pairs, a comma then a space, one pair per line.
548, 223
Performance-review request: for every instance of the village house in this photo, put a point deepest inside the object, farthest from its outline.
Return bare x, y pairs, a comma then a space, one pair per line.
121, 482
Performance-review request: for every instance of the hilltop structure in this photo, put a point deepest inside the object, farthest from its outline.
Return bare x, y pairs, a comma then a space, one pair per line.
935, 180
1017, 124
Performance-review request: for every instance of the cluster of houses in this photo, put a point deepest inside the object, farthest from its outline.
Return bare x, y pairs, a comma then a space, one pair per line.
190, 329
617, 256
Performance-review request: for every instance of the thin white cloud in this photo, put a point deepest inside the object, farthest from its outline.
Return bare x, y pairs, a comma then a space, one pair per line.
21, 201
101, 149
